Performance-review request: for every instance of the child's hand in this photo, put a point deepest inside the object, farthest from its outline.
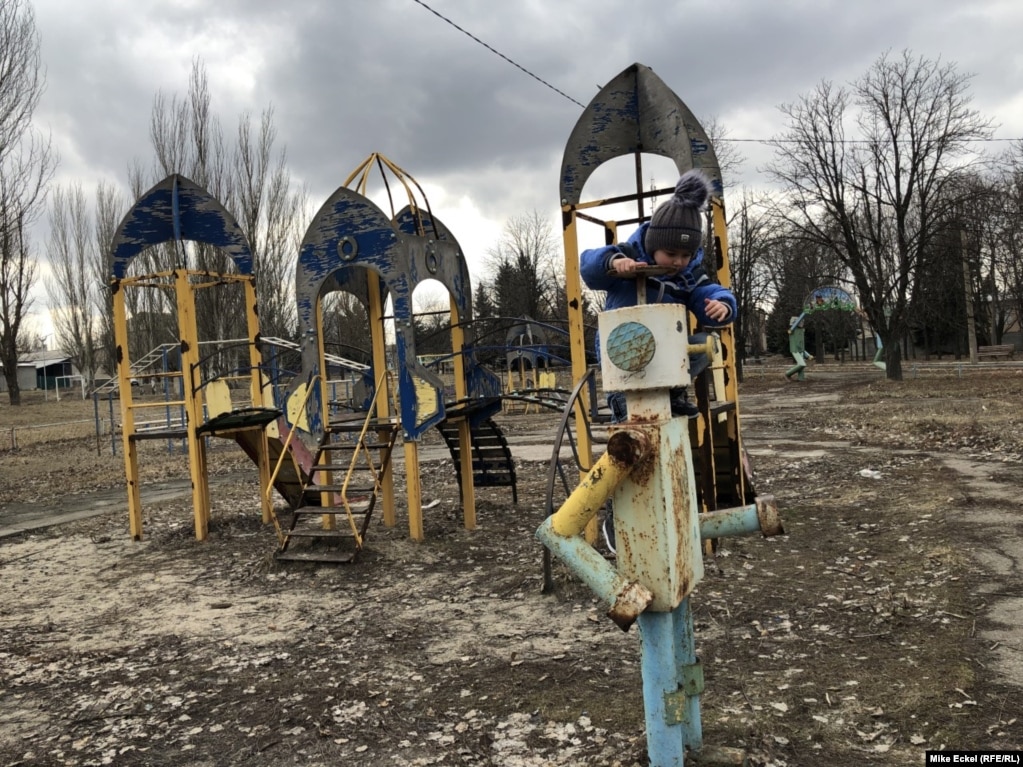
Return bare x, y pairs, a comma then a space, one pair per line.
625, 265
716, 310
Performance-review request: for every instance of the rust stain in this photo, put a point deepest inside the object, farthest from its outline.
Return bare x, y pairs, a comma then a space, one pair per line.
643, 472
643, 419
679, 478
623, 448
628, 604
632, 450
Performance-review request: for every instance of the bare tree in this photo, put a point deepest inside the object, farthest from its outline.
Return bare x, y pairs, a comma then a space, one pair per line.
71, 287
250, 178
110, 208
875, 200
272, 217
750, 246
27, 162
1008, 280
726, 151
527, 269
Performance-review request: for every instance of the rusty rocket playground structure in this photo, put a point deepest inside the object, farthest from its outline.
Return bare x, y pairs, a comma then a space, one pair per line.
676, 485
331, 471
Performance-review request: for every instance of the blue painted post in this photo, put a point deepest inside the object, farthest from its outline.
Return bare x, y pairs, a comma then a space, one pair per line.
690, 674
760, 517
671, 703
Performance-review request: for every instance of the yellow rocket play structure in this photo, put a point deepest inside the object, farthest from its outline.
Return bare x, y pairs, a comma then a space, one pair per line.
674, 485
175, 211
633, 115
332, 469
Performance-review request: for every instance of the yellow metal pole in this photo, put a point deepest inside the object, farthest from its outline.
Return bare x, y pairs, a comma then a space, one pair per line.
725, 278
415, 498
265, 505
626, 449
379, 339
576, 329
327, 500
585, 501
189, 334
465, 471
728, 345
256, 395
131, 458
464, 433
255, 356
577, 338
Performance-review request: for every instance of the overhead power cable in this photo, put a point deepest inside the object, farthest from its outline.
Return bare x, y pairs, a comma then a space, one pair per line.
498, 53
719, 139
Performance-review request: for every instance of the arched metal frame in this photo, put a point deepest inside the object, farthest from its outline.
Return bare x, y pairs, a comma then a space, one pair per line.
636, 114
351, 236
352, 245
177, 210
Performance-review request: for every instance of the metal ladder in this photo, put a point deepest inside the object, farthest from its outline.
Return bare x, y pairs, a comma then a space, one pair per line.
344, 482
137, 367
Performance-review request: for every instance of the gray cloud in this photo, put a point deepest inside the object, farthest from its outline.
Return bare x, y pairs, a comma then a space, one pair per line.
351, 77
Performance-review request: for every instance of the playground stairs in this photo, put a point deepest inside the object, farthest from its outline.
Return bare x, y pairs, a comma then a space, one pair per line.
333, 359
719, 467
138, 366
292, 478
330, 520
492, 464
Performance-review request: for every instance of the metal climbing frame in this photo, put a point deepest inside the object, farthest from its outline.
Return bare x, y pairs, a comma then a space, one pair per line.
354, 246
178, 210
636, 114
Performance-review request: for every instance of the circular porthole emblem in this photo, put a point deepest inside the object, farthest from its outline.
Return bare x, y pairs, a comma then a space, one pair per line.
631, 346
347, 248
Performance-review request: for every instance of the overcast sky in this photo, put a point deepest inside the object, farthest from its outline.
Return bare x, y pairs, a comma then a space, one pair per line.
350, 77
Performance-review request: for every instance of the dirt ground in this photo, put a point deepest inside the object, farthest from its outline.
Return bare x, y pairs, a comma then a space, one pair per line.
887, 620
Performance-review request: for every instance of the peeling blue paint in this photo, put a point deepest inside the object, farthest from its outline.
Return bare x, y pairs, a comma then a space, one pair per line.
178, 209
636, 110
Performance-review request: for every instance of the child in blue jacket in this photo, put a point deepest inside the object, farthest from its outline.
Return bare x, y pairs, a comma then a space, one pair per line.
672, 238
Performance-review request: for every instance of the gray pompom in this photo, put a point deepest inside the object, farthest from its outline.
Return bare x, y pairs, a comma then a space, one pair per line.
692, 190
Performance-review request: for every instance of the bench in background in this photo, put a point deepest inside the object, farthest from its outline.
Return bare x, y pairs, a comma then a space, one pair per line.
996, 352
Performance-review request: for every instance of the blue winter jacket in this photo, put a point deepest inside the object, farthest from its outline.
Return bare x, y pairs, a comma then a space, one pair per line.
690, 287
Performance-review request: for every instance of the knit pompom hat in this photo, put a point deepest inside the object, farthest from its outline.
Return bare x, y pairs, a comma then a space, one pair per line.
678, 223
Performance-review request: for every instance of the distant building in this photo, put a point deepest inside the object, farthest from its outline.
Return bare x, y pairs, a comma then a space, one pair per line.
42, 370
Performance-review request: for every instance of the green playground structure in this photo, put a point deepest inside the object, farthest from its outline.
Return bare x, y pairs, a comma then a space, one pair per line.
820, 299
797, 348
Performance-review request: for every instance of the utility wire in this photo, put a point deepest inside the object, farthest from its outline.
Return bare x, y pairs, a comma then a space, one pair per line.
840, 141
498, 53
720, 139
